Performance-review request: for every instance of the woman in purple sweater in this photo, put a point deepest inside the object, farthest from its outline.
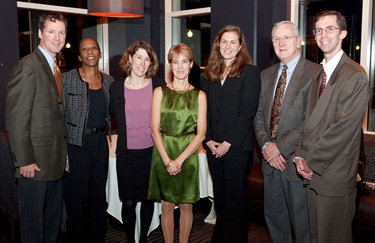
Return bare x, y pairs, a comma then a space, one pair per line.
131, 107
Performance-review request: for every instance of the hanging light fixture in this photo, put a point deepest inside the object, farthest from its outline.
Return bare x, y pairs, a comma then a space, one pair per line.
116, 8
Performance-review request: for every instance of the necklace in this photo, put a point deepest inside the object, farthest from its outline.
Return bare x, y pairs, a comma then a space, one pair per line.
180, 91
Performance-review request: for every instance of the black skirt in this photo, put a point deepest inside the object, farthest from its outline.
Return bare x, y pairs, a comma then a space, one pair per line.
133, 174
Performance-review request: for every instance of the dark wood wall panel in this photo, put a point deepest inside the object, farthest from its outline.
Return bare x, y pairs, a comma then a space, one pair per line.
9, 48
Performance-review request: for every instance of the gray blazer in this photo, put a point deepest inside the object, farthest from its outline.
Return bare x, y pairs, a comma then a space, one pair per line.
291, 114
77, 100
34, 118
333, 127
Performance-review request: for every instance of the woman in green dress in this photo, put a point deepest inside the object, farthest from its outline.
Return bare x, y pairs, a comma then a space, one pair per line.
178, 127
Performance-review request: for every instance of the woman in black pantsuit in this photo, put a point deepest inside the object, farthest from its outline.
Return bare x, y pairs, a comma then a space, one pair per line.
232, 86
86, 91
131, 106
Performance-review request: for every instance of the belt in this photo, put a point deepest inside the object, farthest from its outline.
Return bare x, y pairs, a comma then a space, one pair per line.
95, 130
177, 135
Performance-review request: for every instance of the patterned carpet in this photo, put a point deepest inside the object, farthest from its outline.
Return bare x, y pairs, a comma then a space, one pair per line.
201, 231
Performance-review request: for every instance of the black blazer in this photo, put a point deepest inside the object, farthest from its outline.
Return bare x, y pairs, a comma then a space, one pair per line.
117, 112
231, 109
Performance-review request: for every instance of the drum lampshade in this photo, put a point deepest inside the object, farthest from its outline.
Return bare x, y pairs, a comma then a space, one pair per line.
116, 8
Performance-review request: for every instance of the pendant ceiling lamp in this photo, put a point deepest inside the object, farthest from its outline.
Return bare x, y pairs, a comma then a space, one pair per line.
116, 8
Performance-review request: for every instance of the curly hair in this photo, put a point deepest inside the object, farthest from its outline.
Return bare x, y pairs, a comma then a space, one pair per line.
125, 64
216, 65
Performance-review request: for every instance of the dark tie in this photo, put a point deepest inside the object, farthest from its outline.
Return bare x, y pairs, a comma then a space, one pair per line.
57, 74
322, 83
277, 101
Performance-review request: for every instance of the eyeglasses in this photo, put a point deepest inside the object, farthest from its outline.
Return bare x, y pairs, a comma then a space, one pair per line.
328, 30
286, 38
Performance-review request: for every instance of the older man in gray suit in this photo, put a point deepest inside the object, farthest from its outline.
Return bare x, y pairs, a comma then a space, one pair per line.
278, 128
34, 119
327, 156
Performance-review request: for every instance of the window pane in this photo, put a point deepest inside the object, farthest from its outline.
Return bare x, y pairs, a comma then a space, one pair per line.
178, 5
195, 31
371, 109
351, 9
78, 27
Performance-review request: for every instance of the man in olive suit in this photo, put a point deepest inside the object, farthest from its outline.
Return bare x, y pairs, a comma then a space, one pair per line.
327, 155
34, 120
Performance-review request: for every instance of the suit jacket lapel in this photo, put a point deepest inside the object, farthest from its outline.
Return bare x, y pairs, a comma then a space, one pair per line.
293, 87
321, 104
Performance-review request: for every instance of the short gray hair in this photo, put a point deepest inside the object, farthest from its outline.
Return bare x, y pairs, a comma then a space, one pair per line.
295, 29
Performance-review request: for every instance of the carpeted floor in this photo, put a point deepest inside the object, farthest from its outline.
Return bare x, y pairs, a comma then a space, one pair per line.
201, 231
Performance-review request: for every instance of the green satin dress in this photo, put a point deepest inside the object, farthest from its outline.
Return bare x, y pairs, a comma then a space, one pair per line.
178, 121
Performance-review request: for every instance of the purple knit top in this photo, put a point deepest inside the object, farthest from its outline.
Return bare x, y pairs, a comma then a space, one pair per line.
138, 116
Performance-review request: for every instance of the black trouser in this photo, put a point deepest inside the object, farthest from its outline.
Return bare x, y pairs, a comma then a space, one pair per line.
84, 190
128, 214
40, 204
229, 177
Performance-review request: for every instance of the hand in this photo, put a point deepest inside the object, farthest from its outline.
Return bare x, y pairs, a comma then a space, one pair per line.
270, 151
222, 149
212, 145
303, 169
28, 171
278, 163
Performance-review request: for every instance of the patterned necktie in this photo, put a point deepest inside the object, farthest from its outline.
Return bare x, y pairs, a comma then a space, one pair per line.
57, 74
322, 83
277, 101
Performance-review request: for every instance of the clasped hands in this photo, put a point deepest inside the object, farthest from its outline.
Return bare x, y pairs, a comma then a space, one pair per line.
303, 169
173, 168
273, 156
218, 149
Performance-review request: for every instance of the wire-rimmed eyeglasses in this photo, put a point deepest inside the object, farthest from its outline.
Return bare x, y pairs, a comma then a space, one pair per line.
328, 30
285, 38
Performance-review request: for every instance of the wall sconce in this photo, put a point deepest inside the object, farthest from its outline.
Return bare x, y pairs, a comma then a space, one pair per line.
116, 8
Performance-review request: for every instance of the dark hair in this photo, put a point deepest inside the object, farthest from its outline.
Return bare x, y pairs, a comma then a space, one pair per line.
96, 42
216, 66
125, 64
340, 18
52, 17
178, 49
